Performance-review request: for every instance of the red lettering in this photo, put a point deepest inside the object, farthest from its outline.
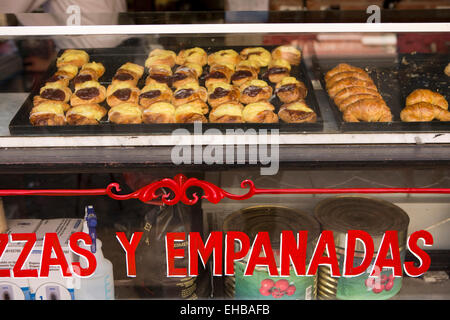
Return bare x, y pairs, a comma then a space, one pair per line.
425, 261
172, 254
197, 248
325, 242
230, 254
30, 240
130, 249
51, 244
294, 251
352, 235
90, 257
3, 243
262, 242
389, 243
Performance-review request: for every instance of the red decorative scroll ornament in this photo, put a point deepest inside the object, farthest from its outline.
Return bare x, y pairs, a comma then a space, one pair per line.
180, 184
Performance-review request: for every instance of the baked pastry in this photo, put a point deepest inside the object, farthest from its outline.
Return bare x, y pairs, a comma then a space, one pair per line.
159, 112
125, 113
368, 110
290, 89
277, 70
227, 113
426, 95
68, 71
342, 67
424, 111
447, 70
128, 72
121, 92
189, 92
189, 113
245, 71
61, 80
224, 57
287, 52
88, 92
160, 57
159, 74
73, 57
185, 74
347, 74
255, 90
297, 112
353, 98
350, 82
193, 55
55, 91
85, 114
258, 55
344, 94
90, 71
221, 92
48, 114
259, 112
219, 73
155, 92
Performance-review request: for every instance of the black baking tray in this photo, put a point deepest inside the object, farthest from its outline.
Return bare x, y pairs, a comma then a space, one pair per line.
395, 77
113, 58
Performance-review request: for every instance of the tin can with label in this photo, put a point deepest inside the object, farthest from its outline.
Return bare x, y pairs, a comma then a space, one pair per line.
261, 285
374, 216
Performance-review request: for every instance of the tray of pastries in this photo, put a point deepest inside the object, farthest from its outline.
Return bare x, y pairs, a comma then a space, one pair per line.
136, 90
402, 93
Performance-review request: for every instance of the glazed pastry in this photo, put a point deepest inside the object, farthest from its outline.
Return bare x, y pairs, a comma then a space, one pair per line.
277, 70
342, 95
255, 90
259, 112
424, 111
289, 53
189, 92
159, 112
189, 113
297, 112
342, 67
85, 114
88, 92
159, 74
221, 92
121, 92
425, 95
356, 97
60, 79
48, 114
161, 57
258, 55
155, 92
227, 113
129, 72
73, 57
224, 57
68, 71
192, 55
55, 91
290, 89
347, 74
245, 71
185, 74
368, 110
125, 113
90, 71
219, 73
200, 104
350, 82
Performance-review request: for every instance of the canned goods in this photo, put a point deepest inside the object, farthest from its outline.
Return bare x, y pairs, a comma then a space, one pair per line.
274, 220
374, 216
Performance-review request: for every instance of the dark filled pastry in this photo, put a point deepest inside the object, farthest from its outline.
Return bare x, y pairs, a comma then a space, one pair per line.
258, 55
189, 113
221, 92
121, 92
88, 92
288, 53
230, 112
290, 89
297, 112
260, 112
219, 73
254, 91
245, 71
73, 57
193, 55
158, 57
189, 72
159, 112
227, 57
68, 71
155, 92
85, 114
189, 92
49, 113
425, 105
128, 72
125, 113
277, 70
91, 71
53, 91
159, 74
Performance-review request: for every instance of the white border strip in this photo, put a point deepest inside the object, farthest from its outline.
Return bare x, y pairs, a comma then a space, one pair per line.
223, 28
171, 140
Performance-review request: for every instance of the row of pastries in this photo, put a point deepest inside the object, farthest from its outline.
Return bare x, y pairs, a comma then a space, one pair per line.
233, 90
